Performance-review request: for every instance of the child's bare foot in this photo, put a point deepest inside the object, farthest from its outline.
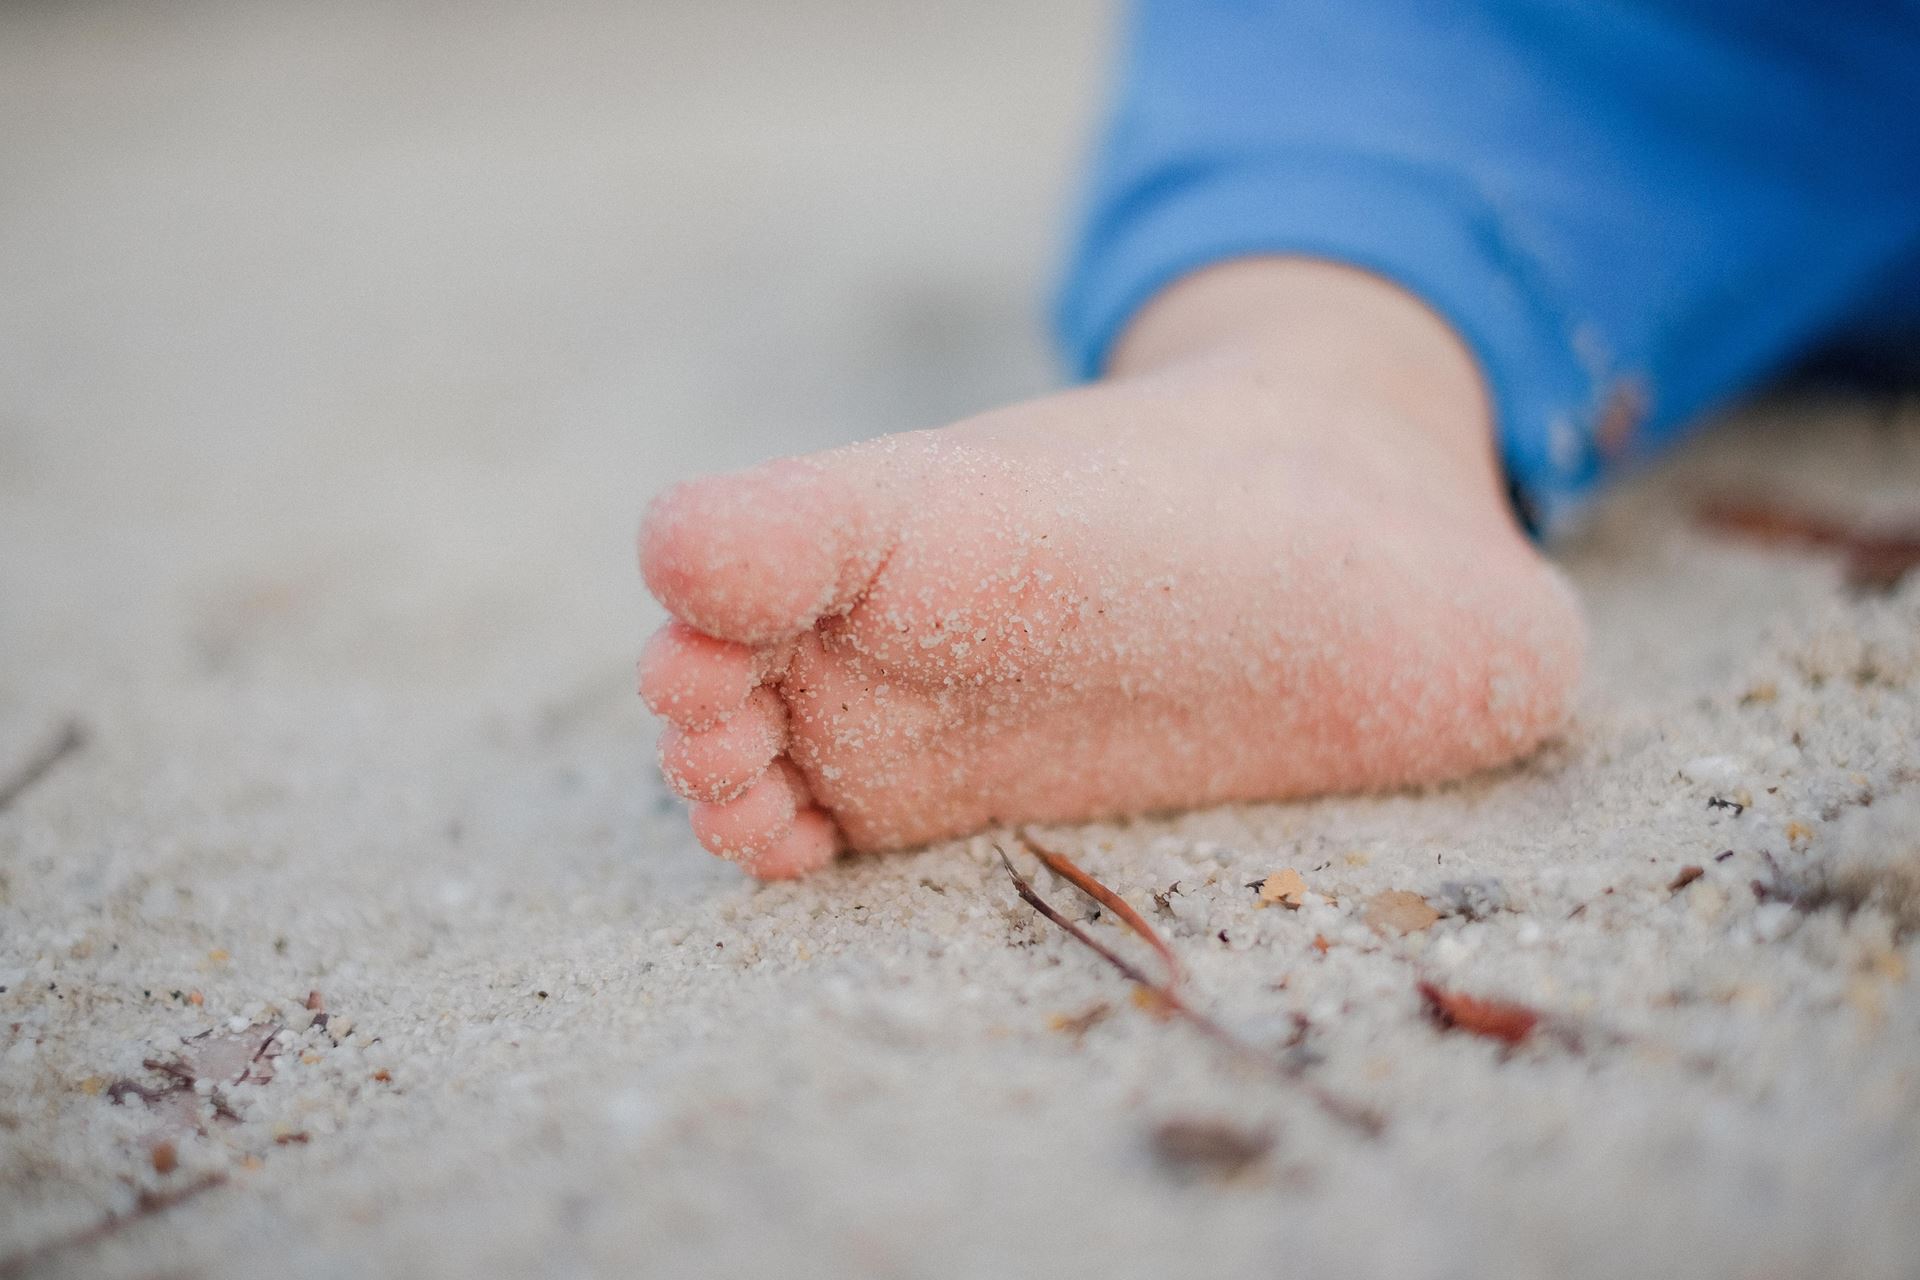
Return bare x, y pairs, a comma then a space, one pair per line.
1270, 557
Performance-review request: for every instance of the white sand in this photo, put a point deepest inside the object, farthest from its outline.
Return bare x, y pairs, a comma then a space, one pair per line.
336, 358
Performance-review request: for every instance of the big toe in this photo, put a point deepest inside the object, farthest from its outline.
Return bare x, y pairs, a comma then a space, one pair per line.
760, 555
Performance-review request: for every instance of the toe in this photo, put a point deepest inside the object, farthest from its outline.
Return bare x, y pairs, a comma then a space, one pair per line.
808, 845
717, 764
760, 555
693, 680
750, 823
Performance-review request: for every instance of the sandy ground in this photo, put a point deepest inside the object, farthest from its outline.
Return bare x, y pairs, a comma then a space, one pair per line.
338, 351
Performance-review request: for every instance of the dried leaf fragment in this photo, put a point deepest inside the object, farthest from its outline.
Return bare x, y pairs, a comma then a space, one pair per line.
1496, 1019
1688, 874
225, 1056
1204, 1148
1154, 1001
1078, 1024
1398, 911
1286, 887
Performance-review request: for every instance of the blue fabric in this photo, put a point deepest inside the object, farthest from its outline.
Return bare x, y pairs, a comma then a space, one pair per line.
1631, 211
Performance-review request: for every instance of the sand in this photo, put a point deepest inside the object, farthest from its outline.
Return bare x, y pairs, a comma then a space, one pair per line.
340, 352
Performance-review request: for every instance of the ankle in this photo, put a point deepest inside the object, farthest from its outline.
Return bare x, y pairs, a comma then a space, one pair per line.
1305, 320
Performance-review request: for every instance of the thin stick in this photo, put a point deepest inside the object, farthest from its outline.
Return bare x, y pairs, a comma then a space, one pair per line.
71, 738
149, 1204
1062, 866
1362, 1119
1085, 939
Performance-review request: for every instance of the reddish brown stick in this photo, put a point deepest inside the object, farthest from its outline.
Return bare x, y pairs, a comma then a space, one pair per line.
1127, 968
1876, 559
1352, 1114
1063, 866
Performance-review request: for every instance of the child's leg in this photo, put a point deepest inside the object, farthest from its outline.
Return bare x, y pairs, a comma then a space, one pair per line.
1270, 556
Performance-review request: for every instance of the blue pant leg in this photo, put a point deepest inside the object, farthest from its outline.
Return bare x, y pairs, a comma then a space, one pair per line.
1630, 211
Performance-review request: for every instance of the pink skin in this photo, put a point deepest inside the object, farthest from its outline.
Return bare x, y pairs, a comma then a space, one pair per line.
1268, 557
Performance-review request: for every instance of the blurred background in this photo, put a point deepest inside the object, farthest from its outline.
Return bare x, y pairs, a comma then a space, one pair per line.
435, 296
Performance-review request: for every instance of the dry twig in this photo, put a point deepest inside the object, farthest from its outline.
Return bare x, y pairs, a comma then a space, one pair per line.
1875, 560
1166, 997
1062, 866
72, 737
148, 1205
